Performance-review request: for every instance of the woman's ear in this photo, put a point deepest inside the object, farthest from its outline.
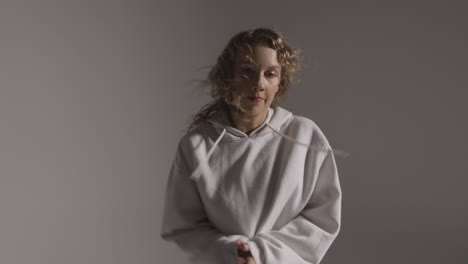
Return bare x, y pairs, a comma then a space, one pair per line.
280, 91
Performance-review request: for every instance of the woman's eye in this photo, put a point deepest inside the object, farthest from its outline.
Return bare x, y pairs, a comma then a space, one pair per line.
247, 70
271, 74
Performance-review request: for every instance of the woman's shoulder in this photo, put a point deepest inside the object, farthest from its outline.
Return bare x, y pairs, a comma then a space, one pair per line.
195, 135
307, 129
305, 122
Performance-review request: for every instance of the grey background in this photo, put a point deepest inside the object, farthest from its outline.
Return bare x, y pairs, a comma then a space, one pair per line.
94, 96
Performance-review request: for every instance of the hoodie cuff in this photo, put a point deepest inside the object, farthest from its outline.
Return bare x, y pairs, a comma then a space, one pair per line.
255, 251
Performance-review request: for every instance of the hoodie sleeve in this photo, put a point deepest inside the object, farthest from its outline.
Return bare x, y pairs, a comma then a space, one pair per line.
185, 223
308, 236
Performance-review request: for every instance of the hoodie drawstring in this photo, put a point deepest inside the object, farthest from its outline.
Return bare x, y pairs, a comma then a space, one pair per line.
337, 152
203, 165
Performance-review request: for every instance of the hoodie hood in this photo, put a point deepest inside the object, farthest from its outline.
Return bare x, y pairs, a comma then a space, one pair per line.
277, 118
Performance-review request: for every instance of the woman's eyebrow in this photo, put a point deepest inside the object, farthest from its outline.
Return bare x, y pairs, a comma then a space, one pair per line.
274, 67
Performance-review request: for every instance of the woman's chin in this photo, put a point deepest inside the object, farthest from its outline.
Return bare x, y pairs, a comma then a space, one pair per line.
255, 110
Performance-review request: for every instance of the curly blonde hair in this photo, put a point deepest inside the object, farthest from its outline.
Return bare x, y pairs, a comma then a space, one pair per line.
221, 79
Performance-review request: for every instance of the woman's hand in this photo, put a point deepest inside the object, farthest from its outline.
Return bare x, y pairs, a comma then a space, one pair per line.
244, 256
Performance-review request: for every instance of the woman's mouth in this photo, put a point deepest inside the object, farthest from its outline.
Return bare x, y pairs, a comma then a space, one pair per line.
255, 99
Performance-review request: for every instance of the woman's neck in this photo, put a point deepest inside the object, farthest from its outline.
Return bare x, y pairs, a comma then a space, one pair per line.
246, 123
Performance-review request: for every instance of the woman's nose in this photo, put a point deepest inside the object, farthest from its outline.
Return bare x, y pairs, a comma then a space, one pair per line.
259, 83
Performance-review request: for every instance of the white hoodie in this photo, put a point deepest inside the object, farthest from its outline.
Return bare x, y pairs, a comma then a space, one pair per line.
276, 189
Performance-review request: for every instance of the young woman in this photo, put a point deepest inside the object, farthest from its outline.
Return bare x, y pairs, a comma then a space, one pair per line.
251, 182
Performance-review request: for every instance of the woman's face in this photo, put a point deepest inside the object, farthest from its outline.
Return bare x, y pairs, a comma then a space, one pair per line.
256, 84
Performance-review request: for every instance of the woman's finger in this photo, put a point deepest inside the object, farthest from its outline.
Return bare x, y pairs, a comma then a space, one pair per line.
250, 260
241, 260
242, 246
246, 247
239, 245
